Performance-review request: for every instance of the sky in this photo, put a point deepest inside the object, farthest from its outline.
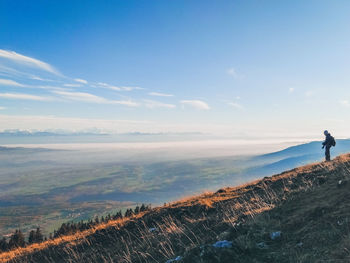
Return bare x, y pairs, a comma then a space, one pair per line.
230, 68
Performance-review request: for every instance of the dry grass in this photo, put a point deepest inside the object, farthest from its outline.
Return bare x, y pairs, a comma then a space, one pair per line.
73, 239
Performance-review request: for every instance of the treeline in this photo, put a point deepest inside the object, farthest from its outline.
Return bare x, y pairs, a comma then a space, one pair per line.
18, 239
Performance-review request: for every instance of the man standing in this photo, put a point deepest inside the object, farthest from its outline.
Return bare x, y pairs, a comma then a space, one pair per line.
328, 143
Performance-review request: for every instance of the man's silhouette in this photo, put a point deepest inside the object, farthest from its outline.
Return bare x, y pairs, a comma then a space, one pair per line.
328, 143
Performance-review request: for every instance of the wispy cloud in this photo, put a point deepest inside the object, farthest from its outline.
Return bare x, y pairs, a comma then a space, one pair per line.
80, 96
87, 97
291, 90
233, 73
105, 85
81, 81
128, 103
197, 104
8, 71
9, 82
130, 88
160, 94
151, 104
22, 96
112, 87
2, 108
27, 61
51, 88
72, 85
39, 78
235, 105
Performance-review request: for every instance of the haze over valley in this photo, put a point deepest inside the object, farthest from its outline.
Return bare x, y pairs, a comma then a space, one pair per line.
47, 184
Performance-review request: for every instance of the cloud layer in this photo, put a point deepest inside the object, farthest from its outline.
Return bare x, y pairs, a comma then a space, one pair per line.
158, 94
196, 104
87, 97
27, 61
9, 82
23, 96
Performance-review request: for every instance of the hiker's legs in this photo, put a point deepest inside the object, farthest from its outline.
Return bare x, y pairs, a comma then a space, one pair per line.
328, 154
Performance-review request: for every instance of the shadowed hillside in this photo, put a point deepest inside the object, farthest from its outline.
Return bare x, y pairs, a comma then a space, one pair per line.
302, 215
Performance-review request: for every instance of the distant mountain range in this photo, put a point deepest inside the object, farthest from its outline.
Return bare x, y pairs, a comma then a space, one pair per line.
288, 158
343, 145
16, 136
16, 133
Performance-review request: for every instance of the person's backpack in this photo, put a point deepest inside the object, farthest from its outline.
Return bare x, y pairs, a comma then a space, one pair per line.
333, 143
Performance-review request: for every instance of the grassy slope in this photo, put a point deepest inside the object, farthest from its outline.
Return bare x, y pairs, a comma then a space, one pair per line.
306, 204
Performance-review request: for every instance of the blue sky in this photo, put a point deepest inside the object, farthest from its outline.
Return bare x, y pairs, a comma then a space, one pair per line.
241, 68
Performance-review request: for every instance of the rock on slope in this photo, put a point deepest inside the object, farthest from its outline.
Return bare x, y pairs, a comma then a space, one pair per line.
302, 215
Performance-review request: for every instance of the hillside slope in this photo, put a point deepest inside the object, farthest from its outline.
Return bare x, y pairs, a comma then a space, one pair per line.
302, 215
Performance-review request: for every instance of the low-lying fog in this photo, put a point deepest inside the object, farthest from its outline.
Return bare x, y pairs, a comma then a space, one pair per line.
155, 151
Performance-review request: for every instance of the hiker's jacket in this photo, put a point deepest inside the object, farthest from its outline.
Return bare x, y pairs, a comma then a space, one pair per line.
328, 141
